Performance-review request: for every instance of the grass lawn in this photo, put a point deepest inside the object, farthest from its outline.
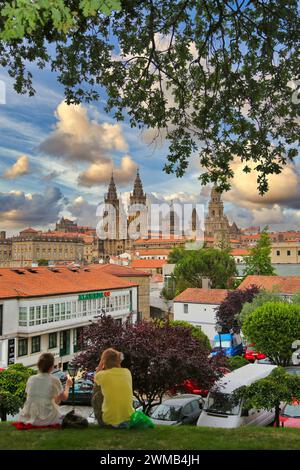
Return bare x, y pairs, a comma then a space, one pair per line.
160, 438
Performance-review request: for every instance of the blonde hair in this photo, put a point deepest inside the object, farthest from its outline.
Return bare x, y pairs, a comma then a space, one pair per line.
111, 358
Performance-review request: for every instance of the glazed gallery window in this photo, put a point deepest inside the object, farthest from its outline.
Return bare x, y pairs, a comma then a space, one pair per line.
52, 340
35, 344
22, 347
23, 316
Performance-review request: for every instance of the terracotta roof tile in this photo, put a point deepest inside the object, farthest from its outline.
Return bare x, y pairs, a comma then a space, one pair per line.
239, 252
283, 284
43, 281
120, 271
202, 296
148, 263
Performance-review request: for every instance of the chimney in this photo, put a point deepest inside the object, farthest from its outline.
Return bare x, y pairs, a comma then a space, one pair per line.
206, 283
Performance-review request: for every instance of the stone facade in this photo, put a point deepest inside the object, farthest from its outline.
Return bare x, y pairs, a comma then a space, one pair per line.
217, 226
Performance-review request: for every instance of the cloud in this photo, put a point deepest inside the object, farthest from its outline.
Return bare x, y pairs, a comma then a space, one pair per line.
100, 172
51, 176
18, 209
284, 189
20, 168
77, 138
83, 211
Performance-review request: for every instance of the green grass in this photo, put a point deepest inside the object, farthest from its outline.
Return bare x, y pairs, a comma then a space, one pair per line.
160, 438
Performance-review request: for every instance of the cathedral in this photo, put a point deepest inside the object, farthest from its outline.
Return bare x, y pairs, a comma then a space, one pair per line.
218, 231
217, 226
121, 242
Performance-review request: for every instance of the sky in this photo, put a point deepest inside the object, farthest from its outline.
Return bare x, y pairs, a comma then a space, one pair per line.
56, 160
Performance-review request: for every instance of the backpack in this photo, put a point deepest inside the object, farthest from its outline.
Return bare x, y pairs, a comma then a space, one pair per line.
97, 400
71, 420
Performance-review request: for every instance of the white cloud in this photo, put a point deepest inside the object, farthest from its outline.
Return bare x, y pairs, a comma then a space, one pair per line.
100, 172
77, 138
20, 168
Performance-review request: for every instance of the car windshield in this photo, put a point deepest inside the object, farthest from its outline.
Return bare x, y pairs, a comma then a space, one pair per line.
292, 411
221, 403
224, 343
166, 412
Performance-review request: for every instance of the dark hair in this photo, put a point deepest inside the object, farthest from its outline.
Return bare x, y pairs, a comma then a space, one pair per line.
45, 362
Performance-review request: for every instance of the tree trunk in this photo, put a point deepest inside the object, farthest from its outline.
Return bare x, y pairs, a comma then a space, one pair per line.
277, 411
3, 414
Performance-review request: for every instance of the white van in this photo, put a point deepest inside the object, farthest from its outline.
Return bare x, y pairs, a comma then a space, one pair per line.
220, 411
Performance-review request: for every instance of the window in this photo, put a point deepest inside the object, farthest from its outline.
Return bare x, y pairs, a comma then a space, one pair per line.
74, 305
63, 311
278, 253
23, 316
52, 340
84, 307
51, 313
77, 339
35, 344
298, 252
68, 310
37, 315
56, 312
22, 347
119, 321
31, 316
288, 252
195, 405
185, 308
45, 314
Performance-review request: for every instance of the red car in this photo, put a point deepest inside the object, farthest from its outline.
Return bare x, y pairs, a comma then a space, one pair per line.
290, 416
190, 386
251, 354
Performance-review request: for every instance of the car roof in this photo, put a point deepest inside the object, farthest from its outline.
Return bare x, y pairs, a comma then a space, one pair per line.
245, 375
181, 400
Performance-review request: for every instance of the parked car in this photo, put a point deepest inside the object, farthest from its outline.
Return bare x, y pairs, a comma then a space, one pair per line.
252, 355
293, 370
266, 360
61, 375
182, 409
229, 344
290, 415
191, 386
220, 402
83, 391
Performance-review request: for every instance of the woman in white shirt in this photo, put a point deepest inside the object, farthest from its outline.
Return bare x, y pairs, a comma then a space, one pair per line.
44, 393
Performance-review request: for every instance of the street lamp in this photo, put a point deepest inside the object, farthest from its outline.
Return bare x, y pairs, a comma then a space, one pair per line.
72, 370
219, 330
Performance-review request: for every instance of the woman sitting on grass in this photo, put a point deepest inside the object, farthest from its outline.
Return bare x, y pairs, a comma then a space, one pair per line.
44, 392
116, 387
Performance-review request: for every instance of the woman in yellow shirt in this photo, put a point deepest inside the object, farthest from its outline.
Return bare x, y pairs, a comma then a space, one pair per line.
116, 385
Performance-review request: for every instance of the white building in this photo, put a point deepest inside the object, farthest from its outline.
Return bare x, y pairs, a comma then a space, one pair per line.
44, 309
198, 307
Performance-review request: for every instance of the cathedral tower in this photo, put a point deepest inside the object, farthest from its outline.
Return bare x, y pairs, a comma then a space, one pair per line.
216, 223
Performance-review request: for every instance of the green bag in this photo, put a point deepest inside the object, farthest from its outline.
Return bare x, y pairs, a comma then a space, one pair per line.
138, 420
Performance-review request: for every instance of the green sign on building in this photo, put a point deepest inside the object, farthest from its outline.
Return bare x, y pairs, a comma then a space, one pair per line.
93, 295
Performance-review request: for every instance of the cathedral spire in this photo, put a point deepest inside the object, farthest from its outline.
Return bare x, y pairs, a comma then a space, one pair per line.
112, 191
138, 196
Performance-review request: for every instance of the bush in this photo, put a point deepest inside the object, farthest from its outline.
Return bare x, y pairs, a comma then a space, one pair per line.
236, 362
273, 328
